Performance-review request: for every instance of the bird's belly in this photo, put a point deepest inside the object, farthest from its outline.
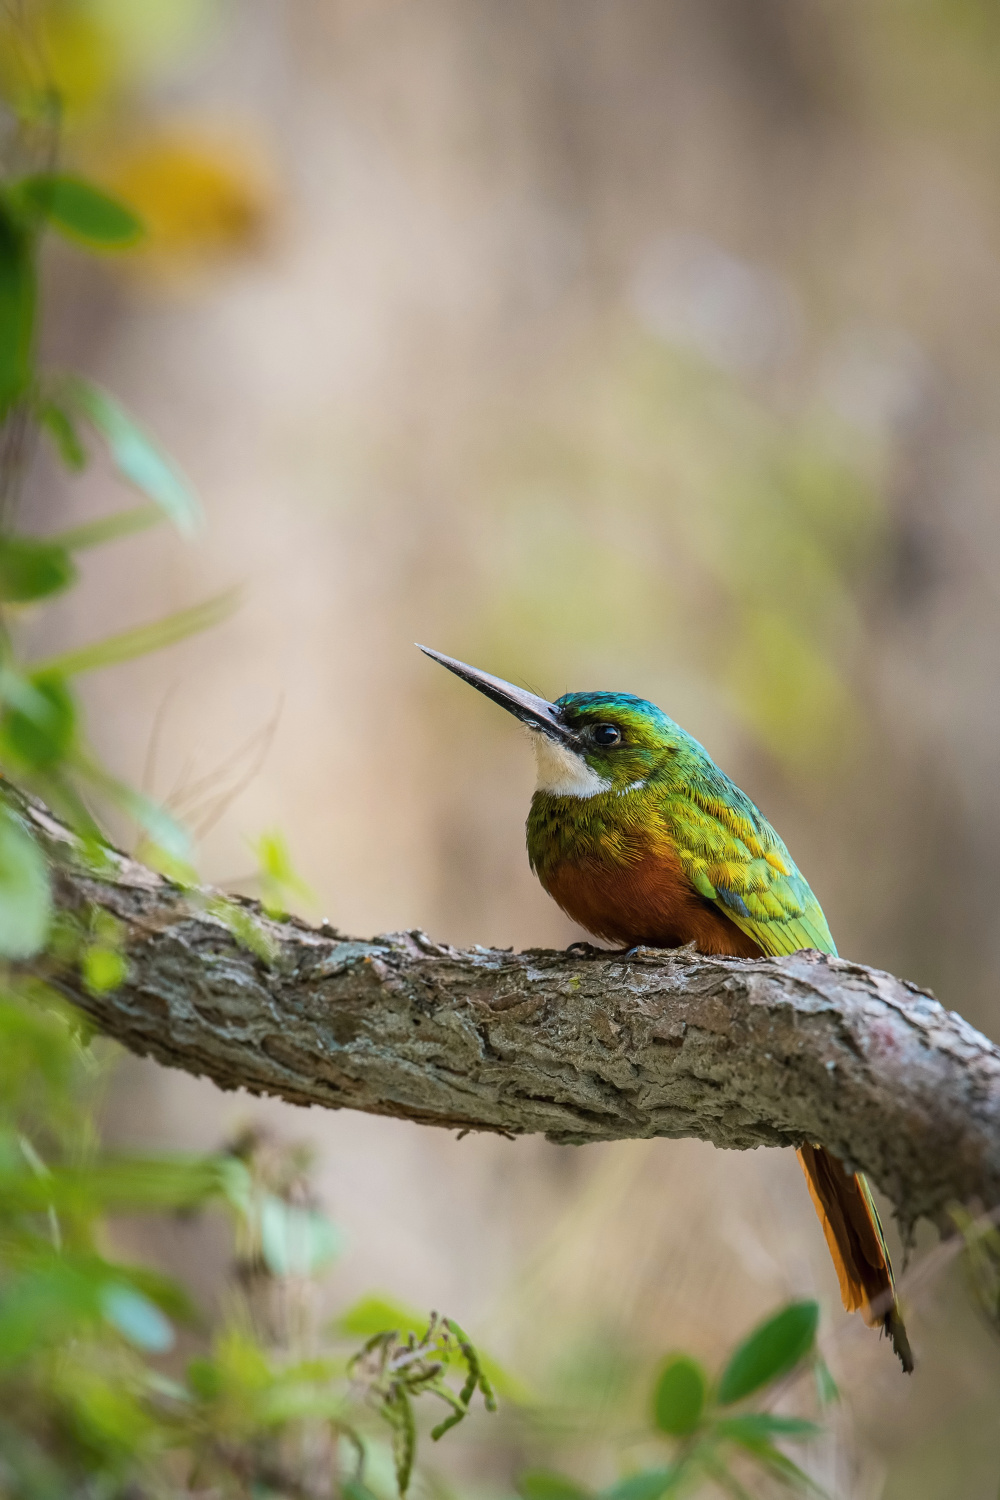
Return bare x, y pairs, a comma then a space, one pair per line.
650, 902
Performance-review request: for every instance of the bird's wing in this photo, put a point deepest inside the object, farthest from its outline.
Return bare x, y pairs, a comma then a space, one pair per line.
733, 856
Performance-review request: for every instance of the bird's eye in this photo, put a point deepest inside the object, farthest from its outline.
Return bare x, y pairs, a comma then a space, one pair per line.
605, 734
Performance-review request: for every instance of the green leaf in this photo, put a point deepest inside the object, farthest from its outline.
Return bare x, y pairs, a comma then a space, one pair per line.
58, 423
458, 1415
242, 922
39, 734
181, 871
236, 1184
354, 1489
80, 211
33, 569
160, 826
46, 1303
18, 296
649, 1485
478, 1367
243, 1364
244, 925
397, 1408
18, 692
376, 1314
541, 1484
37, 1059
152, 1182
296, 1241
102, 969
278, 877
109, 528
168, 1295
137, 457
204, 1378
25, 897
122, 1185
138, 1319
770, 1351
763, 1425
827, 1390
679, 1397
61, 1293
143, 639
311, 1399
781, 1466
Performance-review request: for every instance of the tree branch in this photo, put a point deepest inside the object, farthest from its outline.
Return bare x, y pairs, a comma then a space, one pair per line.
583, 1046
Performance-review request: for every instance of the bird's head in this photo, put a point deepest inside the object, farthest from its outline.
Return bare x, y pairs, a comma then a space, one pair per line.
585, 743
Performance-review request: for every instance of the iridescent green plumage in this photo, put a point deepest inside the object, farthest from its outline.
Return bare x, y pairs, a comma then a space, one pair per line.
664, 791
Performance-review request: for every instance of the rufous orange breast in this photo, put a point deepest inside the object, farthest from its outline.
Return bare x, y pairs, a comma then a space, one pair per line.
650, 902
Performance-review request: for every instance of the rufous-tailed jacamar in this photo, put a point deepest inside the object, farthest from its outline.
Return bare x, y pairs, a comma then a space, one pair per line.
643, 840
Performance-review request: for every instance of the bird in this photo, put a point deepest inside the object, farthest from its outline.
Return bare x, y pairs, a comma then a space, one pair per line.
644, 841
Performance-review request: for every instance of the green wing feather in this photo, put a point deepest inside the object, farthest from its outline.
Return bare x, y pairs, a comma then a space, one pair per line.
733, 857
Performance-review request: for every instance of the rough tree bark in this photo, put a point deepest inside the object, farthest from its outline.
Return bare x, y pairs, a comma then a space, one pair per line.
581, 1045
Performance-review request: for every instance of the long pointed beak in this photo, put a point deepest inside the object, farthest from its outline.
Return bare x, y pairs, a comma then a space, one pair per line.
536, 713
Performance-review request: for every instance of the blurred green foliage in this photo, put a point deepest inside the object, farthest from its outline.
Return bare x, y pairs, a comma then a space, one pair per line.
93, 1401
96, 1400
279, 880
42, 742
695, 1414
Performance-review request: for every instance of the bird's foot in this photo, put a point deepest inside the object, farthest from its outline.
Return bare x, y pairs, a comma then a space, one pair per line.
591, 950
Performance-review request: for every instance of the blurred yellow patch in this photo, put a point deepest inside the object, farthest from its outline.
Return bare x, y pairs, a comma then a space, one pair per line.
55, 50
87, 54
200, 200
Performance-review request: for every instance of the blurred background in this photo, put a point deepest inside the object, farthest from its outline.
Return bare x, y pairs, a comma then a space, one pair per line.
651, 347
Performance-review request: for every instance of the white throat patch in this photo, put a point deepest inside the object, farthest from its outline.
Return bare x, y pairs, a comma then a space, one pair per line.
562, 773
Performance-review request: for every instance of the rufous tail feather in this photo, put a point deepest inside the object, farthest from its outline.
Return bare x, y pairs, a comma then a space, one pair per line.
857, 1246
